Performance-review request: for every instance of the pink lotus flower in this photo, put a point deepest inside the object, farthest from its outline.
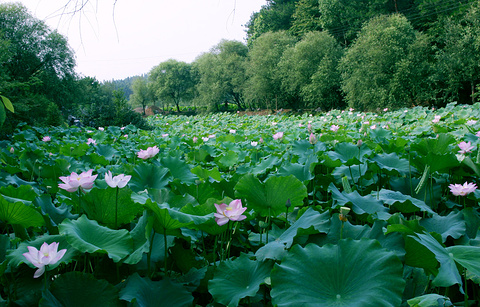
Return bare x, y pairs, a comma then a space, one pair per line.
253, 143
118, 181
233, 131
478, 134
232, 212
74, 181
47, 254
148, 153
462, 190
334, 128
465, 147
91, 141
278, 135
46, 138
195, 139
312, 139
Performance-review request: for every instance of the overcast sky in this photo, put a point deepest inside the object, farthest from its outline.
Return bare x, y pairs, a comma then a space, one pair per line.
130, 38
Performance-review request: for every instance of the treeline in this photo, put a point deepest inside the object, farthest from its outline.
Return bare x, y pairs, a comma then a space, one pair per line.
324, 54
299, 54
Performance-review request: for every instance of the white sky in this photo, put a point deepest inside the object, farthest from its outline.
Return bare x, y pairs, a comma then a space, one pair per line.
130, 38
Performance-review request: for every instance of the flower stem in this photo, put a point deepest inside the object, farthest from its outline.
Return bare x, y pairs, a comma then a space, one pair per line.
166, 250
116, 209
45, 280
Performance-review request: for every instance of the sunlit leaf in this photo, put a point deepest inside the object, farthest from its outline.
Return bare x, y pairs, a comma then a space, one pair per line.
269, 198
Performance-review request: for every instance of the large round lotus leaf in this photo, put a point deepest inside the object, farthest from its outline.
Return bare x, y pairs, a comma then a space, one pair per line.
80, 289
351, 273
144, 292
236, 279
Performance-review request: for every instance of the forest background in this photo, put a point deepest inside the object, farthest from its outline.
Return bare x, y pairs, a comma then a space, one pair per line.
301, 55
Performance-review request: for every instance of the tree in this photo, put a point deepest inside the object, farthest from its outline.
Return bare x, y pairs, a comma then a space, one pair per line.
459, 60
372, 67
306, 18
142, 93
272, 17
172, 80
221, 75
263, 86
37, 69
309, 71
344, 18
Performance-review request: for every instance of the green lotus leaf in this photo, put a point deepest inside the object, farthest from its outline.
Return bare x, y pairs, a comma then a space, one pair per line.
392, 163
451, 225
179, 169
265, 164
237, 279
149, 176
448, 274
87, 236
228, 159
269, 198
95, 159
19, 213
349, 154
429, 300
144, 292
109, 207
141, 243
80, 289
472, 222
310, 222
107, 151
466, 256
404, 203
360, 204
351, 273
77, 150
56, 214
169, 221
25, 194
302, 172
207, 174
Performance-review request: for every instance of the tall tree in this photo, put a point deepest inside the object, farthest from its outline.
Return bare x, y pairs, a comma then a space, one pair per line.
37, 69
306, 18
263, 87
310, 71
221, 74
372, 66
344, 18
173, 81
272, 17
142, 93
459, 60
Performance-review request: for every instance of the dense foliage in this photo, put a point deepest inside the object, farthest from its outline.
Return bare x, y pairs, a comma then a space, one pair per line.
37, 75
344, 208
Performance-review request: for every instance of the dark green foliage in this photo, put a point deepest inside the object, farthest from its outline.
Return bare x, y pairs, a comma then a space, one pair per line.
378, 68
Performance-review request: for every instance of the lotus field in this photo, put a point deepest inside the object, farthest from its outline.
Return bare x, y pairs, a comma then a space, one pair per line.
338, 209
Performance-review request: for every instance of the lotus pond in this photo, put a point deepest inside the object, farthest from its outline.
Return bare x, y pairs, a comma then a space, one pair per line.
338, 209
